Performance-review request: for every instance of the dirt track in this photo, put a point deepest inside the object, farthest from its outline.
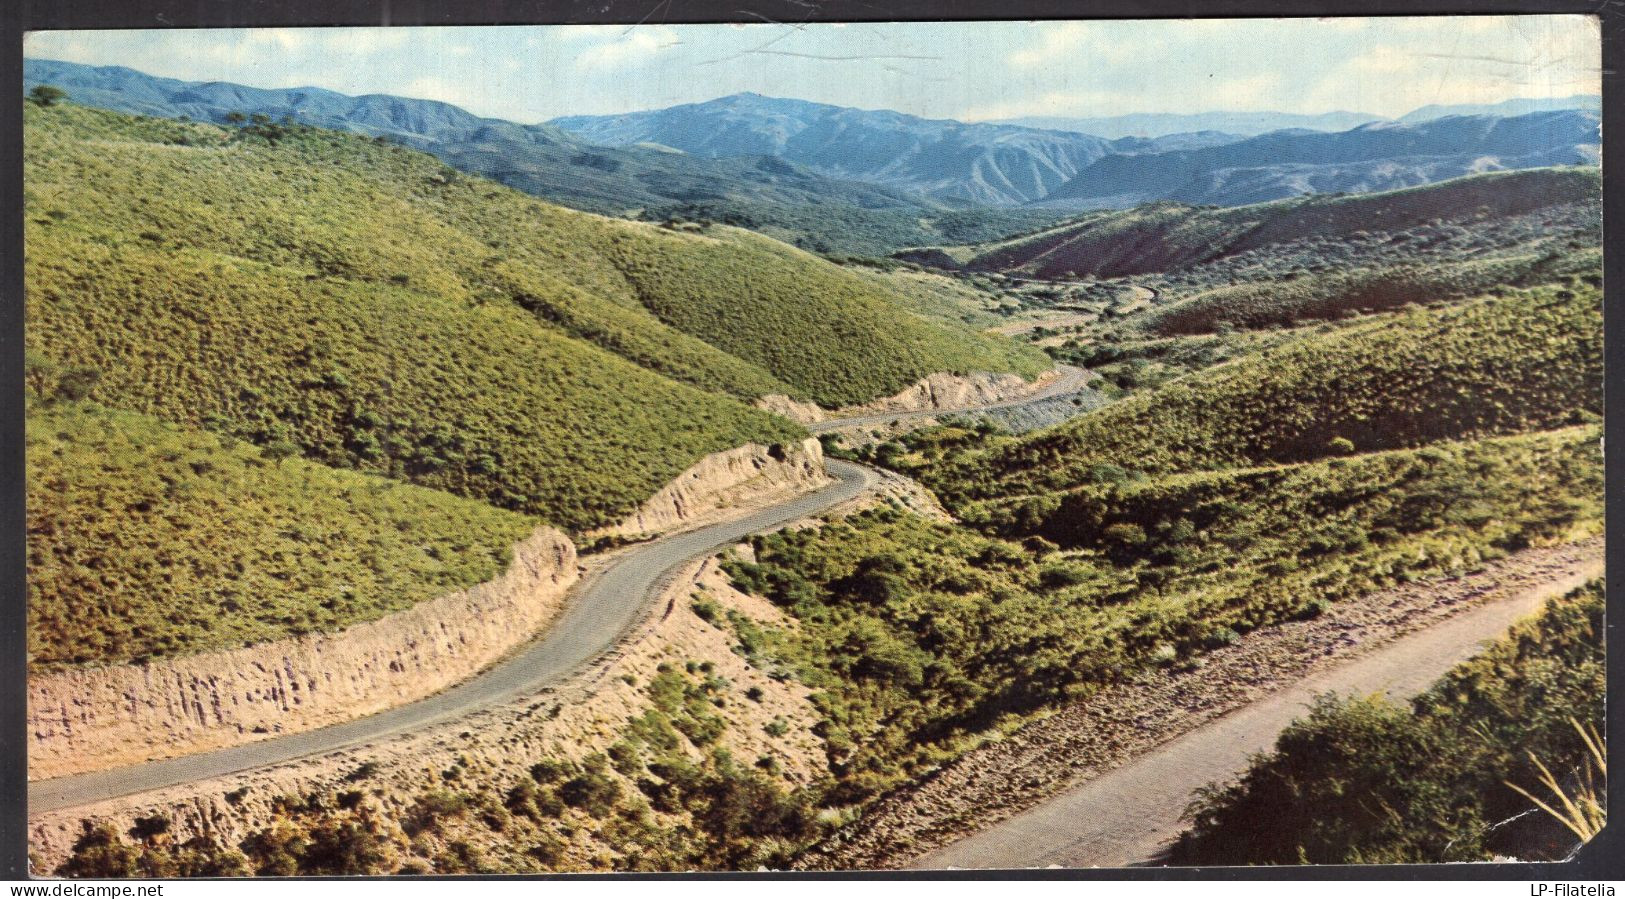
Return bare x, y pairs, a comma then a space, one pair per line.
1105, 781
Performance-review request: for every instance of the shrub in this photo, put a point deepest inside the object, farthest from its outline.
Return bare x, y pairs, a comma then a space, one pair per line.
44, 95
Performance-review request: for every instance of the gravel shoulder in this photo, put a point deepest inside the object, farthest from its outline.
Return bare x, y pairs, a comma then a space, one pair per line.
1105, 781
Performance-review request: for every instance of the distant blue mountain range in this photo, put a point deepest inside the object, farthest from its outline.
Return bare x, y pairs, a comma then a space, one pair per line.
762, 151
539, 159
1378, 156
1067, 170
980, 162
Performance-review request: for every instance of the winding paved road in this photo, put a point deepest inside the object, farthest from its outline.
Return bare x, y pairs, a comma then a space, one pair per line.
598, 613
595, 618
1071, 380
1129, 815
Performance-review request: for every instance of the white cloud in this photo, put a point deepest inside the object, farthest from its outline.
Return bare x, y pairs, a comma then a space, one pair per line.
364, 41
1385, 60
284, 39
638, 46
432, 88
1065, 42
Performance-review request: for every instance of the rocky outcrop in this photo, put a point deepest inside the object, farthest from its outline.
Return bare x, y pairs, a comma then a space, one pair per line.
942, 391
946, 392
91, 719
795, 410
745, 476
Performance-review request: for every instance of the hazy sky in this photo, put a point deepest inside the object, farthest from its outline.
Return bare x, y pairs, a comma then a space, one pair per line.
969, 71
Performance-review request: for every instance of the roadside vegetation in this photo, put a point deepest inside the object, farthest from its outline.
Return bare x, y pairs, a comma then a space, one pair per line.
667, 795
921, 636
1452, 776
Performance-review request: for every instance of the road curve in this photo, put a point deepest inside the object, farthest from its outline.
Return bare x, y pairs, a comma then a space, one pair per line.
1071, 380
1129, 815
596, 616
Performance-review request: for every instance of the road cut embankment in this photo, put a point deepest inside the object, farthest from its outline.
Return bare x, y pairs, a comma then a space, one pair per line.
939, 392
97, 718
748, 476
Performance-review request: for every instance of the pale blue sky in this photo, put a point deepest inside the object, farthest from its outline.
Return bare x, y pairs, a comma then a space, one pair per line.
970, 71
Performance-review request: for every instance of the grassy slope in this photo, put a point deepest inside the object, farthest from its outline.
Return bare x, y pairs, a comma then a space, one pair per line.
814, 316
936, 295
358, 301
1527, 361
1164, 236
337, 206
149, 540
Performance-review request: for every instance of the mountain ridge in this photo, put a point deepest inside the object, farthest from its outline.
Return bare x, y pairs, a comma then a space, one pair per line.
1243, 124
652, 182
1373, 157
835, 179
940, 158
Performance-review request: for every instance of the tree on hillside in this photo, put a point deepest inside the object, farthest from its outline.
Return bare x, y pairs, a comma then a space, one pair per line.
236, 118
47, 95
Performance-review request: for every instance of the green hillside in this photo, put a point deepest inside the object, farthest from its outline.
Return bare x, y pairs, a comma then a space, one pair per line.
379, 311
814, 314
1529, 360
1165, 236
148, 540
481, 400
1522, 487
334, 207
834, 227
1338, 295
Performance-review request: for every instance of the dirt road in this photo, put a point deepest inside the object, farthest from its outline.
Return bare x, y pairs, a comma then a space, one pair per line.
1127, 815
